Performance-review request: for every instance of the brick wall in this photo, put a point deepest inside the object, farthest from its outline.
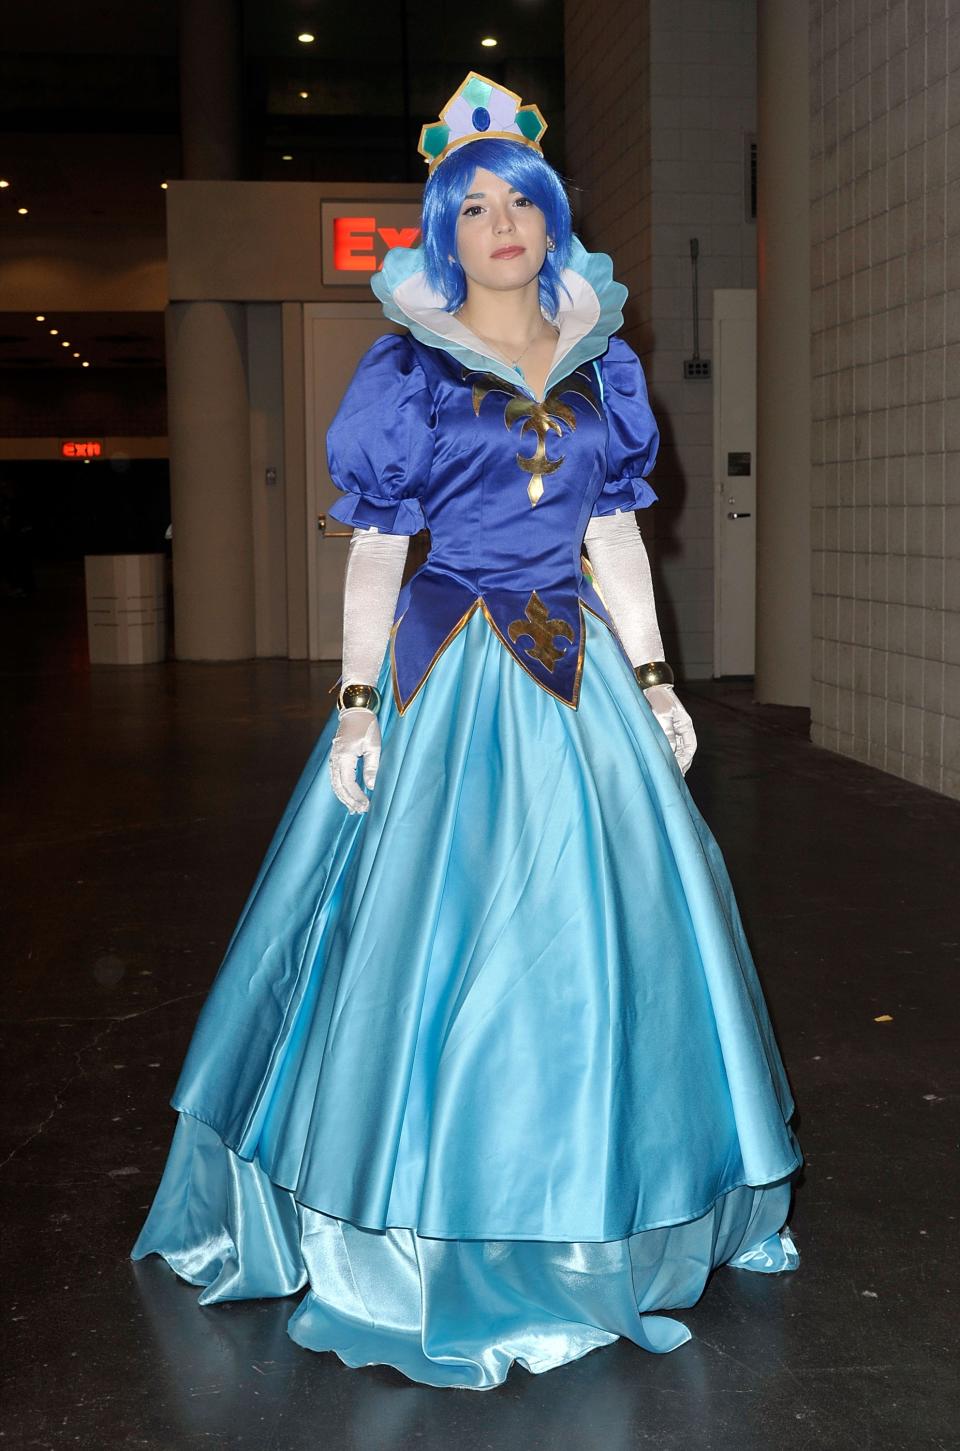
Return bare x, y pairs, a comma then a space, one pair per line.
885, 182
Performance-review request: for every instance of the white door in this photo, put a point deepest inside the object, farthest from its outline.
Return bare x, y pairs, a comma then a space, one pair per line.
735, 483
335, 337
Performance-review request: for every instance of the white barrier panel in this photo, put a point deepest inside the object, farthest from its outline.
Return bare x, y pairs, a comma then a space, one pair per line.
126, 608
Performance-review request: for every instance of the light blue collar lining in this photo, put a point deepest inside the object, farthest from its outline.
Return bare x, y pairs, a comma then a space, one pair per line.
587, 319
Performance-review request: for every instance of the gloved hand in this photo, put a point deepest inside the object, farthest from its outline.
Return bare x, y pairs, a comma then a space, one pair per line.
357, 738
621, 569
374, 573
675, 721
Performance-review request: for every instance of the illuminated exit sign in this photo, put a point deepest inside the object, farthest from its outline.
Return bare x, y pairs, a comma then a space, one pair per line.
357, 236
81, 448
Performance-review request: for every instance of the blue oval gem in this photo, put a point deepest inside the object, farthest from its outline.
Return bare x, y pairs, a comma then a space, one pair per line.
481, 119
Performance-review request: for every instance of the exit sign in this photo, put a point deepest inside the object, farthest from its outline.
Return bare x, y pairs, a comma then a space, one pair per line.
81, 448
358, 234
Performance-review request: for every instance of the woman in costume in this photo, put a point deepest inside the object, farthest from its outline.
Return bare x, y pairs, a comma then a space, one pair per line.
487, 1065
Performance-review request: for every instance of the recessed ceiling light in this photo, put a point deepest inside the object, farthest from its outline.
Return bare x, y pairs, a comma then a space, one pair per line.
54, 331
305, 38
41, 317
84, 365
76, 355
488, 41
304, 95
4, 183
163, 186
286, 158
64, 345
22, 211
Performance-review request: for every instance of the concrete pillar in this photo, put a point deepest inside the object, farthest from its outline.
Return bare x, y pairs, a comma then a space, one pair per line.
783, 356
210, 85
209, 432
209, 416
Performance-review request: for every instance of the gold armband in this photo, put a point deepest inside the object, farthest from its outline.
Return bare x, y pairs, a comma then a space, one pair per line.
357, 696
655, 672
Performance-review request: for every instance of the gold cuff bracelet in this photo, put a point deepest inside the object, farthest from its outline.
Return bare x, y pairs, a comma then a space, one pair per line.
655, 672
357, 696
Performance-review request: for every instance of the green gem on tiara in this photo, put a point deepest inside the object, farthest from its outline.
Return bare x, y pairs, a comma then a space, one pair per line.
476, 92
530, 124
435, 138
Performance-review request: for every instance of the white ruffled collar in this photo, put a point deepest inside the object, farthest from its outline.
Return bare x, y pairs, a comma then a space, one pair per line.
586, 319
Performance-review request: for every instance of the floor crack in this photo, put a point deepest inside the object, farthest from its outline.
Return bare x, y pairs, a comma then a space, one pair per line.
80, 1071
101, 1017
58, 1093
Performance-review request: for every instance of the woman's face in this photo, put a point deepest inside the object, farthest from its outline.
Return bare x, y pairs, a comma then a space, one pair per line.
501, 234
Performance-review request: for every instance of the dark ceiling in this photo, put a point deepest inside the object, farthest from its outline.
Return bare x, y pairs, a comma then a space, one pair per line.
375, 71
89, 115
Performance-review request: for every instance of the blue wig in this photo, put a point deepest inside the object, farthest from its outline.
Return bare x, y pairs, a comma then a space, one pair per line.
443, 197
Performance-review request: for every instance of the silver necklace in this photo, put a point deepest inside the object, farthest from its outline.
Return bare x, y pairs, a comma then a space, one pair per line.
513, 362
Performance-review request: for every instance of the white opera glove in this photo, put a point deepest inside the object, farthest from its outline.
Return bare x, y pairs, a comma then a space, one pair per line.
621, 567
374, 574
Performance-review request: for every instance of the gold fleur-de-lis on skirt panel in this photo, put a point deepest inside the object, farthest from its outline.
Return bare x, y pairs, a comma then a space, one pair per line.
539, 419
541, 630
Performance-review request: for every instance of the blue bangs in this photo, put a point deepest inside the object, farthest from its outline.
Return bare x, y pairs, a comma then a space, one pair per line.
443, 197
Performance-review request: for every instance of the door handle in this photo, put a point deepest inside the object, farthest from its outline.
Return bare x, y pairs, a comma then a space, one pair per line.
739, 516
331, 533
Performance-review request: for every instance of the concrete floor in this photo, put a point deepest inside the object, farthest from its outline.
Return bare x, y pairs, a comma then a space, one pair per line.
137, 805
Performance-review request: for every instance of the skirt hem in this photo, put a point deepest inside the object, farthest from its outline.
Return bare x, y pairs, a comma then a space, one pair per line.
574, 1237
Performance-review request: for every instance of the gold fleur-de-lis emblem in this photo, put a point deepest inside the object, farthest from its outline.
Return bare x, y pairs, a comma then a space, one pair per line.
541, 630
539, 418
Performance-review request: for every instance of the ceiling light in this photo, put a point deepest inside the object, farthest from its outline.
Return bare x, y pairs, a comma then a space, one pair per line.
64, 345
41, 317
286, 158
84, 365
488, 41
76, 355
305, 38
22, 211
163, 186
304, 95
54, 331
4, 183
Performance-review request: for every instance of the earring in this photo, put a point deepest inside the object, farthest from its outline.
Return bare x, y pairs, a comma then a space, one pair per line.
551, 246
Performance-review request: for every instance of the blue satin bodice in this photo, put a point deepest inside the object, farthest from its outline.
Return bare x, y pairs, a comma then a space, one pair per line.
505, 483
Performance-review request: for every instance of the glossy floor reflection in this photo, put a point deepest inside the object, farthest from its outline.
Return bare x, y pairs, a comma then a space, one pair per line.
137, 805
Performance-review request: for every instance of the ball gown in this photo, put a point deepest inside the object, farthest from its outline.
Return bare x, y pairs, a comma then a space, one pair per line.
486, 1070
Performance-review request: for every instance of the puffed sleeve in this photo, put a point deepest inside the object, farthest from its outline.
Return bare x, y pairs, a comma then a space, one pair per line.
633, 433
380, 444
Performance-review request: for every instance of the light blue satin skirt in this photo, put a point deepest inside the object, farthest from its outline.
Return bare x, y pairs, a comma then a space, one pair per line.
488, 1066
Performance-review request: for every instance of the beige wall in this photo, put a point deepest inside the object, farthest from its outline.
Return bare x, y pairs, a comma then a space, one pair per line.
79, 272
885, 141
259, 241
660, 94
253, 248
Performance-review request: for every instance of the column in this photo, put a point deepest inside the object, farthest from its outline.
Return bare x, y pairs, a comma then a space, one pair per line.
209, 431
209, 422
210, 89
783, 356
